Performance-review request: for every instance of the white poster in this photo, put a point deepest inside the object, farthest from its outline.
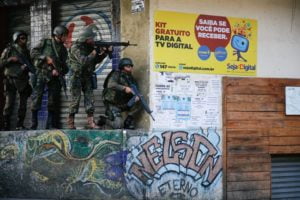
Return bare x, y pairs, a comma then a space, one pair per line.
186, 101
137, 6
292, 100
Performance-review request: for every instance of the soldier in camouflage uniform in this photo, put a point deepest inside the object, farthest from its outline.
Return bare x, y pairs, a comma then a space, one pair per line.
83, 59
16, 78
116, 95
49, 57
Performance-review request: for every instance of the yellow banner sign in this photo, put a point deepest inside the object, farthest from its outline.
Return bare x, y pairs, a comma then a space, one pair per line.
204, 44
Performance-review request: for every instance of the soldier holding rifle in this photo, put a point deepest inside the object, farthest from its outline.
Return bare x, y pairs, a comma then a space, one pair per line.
16, 62
117, 93
83, 57
49, 58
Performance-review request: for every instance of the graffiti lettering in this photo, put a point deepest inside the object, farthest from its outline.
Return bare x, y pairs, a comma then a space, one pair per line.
195, 154
179, 186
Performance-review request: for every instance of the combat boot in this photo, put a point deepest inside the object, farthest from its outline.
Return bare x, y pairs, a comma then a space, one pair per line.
55, 120
70, 121
91, 122
129, 123
34, 120
6, 123
49, 124
52, 120
20, 125
101, 121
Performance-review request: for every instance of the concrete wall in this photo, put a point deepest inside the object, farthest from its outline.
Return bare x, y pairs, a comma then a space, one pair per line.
176, 165
63, 164
135, 28
277, 47
74, 164
278, 28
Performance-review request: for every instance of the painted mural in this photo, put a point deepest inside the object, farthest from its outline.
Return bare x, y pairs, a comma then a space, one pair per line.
176, 165
63, 164
116, 164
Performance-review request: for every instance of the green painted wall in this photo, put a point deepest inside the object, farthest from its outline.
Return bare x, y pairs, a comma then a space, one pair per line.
115, 164
63, 164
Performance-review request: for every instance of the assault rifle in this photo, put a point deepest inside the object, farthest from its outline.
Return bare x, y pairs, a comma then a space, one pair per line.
107, 44
24, 61
60, 74
131, 102
114, 44
61, 78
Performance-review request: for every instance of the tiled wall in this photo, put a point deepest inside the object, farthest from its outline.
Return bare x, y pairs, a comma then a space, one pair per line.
40, 12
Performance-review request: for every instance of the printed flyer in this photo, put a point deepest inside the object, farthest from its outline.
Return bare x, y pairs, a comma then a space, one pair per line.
186, 101
206, 44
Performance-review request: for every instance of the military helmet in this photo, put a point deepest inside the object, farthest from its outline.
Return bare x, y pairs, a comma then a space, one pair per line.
86, 33
60, 30
125, 61
17, 34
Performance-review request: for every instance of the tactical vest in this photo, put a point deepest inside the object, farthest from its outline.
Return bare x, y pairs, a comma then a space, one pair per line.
14, 70
77, 68
48, 47
114, 96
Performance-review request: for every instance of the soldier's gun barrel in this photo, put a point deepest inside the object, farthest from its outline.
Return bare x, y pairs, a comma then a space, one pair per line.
114, 44
107, 44
131, 102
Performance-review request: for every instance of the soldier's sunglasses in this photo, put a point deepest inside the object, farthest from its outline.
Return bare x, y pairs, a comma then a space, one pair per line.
23, 38
128, 66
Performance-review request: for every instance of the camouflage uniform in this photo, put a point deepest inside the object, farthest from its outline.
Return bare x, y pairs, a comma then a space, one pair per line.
44, 77
16, 80
82, 66
83, 59
115, 99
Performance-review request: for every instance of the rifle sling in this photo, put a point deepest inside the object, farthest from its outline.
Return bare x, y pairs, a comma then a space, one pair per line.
55, 51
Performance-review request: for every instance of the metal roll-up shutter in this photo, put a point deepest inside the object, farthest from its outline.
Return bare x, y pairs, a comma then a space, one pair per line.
286, 177
75, 15
19, 19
